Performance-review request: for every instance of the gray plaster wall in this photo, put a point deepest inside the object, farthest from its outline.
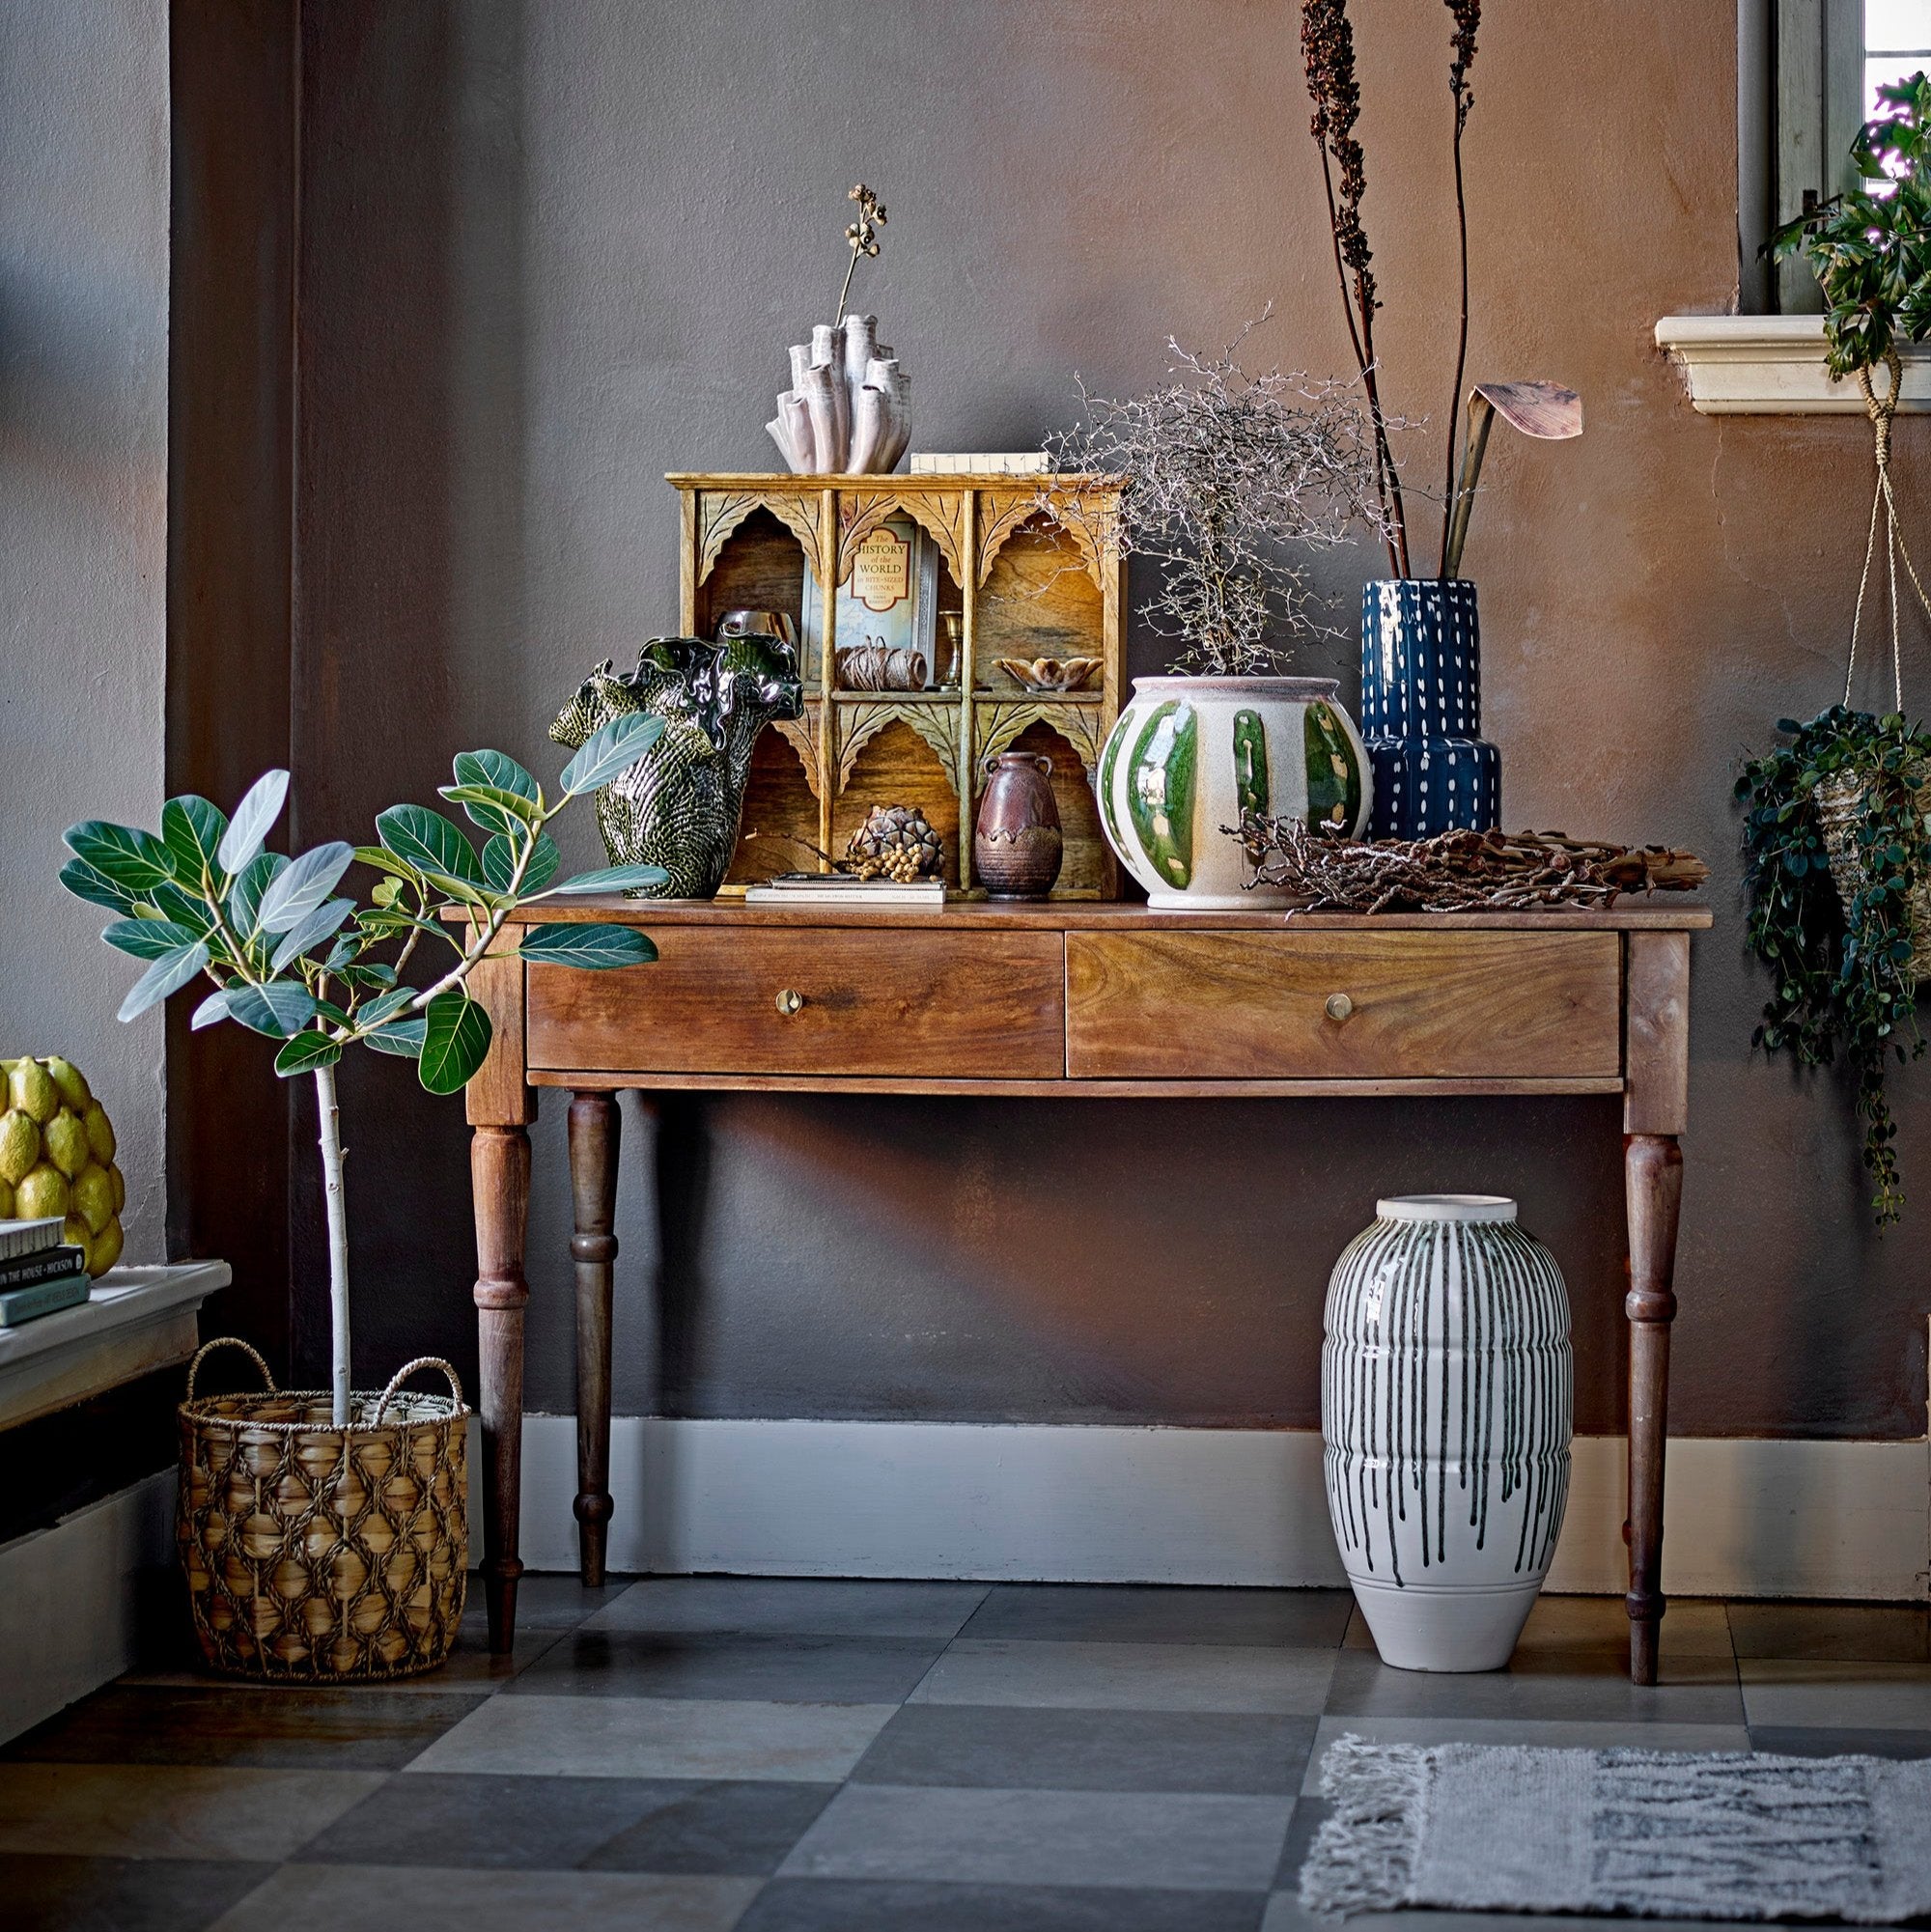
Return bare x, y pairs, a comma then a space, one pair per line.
554, 248
83, 528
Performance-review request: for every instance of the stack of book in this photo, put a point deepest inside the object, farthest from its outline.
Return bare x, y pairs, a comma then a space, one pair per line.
840, 888
38, 1273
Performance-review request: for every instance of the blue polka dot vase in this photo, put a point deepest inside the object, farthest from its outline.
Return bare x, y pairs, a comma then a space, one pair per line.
1421, 708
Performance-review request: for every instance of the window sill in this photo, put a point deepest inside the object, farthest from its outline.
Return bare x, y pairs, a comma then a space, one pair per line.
136, 1320
1774, 366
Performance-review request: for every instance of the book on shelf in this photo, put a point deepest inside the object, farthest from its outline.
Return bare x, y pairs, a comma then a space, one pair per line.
44, 1298
22, 1271
840, 888
33, 1236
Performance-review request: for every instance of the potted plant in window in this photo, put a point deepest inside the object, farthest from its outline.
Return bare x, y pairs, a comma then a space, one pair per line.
323, 1533
1837, 862
1228, 478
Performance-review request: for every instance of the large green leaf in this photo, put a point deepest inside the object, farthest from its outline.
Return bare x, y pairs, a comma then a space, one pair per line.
244, 896
429, 842
192, 829
492, 807
455, 1041
86, 881
149, 938
211, 1009
294, 893
248, 829
182, 908
611, 750
498, 769
321, 924
596, 948
386, 1005
306, 1051
137, 861
402, 1037
613, 879
279, 1009
171, 970
499, 862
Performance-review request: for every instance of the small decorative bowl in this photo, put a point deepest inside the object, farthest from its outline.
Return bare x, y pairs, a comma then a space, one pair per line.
1051, 674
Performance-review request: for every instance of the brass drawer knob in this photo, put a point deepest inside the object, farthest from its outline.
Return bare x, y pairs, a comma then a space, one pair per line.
789, 1001
1339, 1006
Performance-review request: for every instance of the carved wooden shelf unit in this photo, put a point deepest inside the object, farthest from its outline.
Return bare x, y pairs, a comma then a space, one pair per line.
1024, 586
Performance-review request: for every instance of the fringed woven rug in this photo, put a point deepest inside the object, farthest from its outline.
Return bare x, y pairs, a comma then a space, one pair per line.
1666, 1834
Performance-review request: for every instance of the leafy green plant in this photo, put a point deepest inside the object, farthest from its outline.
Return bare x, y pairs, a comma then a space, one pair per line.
290, 958
1870, 246
1840, 973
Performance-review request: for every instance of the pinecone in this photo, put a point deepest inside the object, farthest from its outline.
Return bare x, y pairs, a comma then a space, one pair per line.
896, 842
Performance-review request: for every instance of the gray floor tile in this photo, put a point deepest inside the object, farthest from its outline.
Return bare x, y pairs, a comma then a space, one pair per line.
777, 1666
743, 1827
546, 1599
1830, 1740
1284, 1915
1854, 1696
819, 1606
171, 1811
1008, 1746
1559, 1685
1850, 1632
659, 1737
446, 1818
61, 1894
328, 1899
1131, 1676
1161, 1614
884, 1905
350, 1729
1559, 1733
1167, 1841
470, 1670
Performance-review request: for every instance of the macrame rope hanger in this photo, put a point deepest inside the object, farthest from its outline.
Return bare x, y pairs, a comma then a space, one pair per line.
1882, 411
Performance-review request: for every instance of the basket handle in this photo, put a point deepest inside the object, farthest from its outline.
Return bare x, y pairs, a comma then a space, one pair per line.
229, 1342
403, 1374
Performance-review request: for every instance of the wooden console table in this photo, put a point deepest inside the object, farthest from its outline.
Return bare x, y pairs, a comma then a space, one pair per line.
1106, 1001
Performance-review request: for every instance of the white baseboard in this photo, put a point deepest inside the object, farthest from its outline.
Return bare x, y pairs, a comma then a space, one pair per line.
71, 1597
1745, 1517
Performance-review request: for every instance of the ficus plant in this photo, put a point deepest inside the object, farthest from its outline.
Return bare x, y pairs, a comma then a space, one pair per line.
288, 956
1839, 964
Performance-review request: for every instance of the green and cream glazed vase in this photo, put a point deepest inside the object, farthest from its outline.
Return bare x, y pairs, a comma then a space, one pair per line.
1446, 1408
1190, 755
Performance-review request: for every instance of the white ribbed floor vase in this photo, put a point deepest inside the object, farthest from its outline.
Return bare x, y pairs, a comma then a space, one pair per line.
1672, 1835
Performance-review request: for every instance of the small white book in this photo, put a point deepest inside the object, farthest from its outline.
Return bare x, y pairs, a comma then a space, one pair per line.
18, 1238
831, 889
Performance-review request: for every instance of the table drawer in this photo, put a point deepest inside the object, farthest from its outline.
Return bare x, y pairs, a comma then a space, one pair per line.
872, 1001
1332, 1005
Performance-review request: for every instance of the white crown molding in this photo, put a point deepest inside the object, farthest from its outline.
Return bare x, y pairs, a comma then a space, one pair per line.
1774, 366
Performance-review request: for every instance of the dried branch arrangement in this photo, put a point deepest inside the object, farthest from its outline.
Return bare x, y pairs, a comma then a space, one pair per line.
1458, 871
1228, 476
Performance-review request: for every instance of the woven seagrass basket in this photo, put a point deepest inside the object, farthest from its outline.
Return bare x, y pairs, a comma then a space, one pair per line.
1840, 806
317, 1555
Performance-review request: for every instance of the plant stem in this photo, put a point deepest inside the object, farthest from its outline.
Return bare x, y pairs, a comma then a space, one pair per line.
1448, 501
851, 269
338, 1241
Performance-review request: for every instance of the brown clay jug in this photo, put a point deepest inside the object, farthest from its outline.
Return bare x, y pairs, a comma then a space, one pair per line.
1016, 847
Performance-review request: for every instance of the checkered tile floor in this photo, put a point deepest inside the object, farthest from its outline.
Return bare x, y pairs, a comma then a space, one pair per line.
691, 1755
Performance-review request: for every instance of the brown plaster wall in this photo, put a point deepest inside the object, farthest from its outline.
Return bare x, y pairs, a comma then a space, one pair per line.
549, 251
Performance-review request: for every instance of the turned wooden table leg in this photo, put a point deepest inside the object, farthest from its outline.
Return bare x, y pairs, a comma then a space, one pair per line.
1656, 1046
1653, 1169
595, 1125
499, 1169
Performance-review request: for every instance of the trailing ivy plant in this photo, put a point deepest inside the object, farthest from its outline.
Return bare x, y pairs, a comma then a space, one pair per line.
1841, 973
290, 958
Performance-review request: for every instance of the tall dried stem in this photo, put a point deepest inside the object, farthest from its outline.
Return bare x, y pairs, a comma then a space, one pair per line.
1462, 57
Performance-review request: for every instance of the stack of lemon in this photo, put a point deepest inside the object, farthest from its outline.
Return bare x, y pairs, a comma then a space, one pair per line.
57, 1157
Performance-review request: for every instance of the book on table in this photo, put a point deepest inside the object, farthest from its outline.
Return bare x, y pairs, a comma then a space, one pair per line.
34, 1237
841, 889
44, 1298
23, 1271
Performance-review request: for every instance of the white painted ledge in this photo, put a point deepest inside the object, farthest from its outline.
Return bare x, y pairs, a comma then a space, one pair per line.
1774, 366
1098, 1503
136, 1320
